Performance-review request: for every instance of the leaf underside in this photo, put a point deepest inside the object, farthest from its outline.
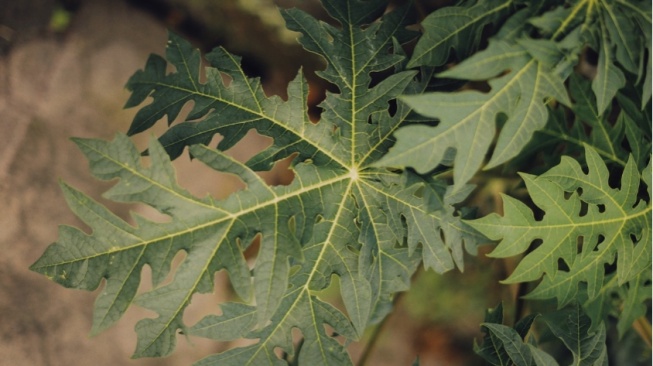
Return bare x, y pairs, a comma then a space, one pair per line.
340, 216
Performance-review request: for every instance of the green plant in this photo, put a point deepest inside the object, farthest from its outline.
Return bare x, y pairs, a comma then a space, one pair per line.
382, 179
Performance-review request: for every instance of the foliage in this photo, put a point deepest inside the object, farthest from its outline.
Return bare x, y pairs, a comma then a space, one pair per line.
503, 345
382, 179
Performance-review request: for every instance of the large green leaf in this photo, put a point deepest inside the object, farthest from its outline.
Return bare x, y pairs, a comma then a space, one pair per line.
587, 224
341, 216
467, 119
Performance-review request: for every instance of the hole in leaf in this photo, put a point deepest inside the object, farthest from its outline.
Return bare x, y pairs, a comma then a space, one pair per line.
149, 213
328, 289
281, 354
218, 184
536, 243
169, 272
404, 241
200, 302
281, 174
251, 249
331, 332
562, 265
642, 194
392, 107
625, 144
610, 267
600, 239
583, 209
601, 207
538, 213
614, 179
595, 246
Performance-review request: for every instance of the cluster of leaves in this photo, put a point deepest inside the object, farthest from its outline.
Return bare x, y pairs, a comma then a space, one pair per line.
503, 345
381, 179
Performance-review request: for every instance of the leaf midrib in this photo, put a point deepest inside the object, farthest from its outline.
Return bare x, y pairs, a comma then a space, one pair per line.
229, 216
305, 290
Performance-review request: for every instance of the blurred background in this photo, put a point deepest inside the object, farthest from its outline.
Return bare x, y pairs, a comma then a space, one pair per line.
63, 67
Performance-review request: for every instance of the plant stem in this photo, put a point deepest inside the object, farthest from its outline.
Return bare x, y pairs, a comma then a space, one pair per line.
369, 347
377, 332
643, 328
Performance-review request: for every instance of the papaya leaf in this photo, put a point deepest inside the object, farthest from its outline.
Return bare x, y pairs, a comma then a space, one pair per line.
341, 216
636, 295
567, 133
633, 16
609, 78
516, 351
503, 345
235, 322
456, 28
572, 326
468, 118
612, 226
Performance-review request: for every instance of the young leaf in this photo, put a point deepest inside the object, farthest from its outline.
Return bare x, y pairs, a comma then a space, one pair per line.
341, 216
572, 326
614, 224
636, 295
517, 352
609, 78
503, 345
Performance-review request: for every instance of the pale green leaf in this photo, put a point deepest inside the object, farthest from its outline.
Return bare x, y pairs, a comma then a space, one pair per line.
586, 239
467, 119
